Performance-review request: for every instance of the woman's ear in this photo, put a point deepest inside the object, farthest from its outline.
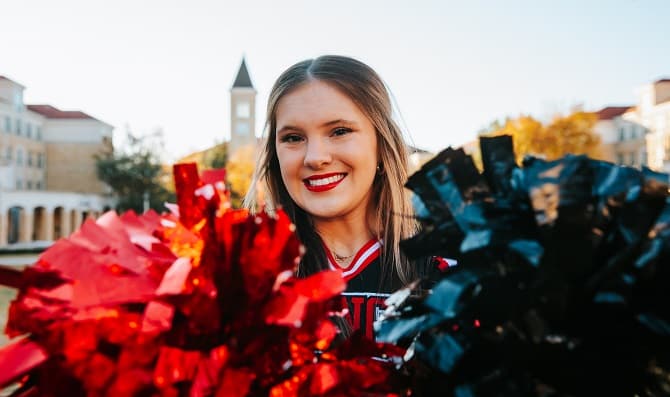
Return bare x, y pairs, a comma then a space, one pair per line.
380, 169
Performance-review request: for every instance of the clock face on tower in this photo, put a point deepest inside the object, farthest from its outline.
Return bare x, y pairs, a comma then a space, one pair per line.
243, 110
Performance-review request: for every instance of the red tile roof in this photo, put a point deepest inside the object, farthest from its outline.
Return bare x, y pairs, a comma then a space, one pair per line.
610, 112
51, 112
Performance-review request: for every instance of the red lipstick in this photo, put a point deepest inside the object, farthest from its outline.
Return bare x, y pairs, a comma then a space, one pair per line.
325, 187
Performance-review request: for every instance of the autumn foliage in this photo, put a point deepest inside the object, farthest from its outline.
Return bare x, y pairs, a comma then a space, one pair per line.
239, 172
564, 134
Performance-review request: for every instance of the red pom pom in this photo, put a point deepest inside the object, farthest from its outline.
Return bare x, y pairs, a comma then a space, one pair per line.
201, 301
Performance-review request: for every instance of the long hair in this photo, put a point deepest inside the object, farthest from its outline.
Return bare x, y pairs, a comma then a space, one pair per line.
393, 209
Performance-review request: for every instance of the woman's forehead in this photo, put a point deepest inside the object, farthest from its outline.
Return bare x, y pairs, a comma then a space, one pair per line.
316, 102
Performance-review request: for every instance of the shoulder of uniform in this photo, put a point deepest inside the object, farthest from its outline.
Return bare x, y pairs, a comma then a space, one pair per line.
443, 263
432, 268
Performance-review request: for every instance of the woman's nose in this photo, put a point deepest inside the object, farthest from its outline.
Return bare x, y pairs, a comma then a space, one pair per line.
317, 154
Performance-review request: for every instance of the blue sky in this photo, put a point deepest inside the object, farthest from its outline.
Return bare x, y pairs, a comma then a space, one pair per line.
452, 66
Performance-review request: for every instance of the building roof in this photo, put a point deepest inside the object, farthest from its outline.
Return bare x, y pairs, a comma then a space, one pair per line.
662, 81
414, 149
243, 79
610, 112
51, 112
8, 79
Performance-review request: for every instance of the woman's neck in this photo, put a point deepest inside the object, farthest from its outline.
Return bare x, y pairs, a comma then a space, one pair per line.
344, 237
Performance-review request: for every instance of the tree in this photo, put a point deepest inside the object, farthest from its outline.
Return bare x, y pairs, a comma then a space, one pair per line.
217, 157
135, 173
239, 172
572, 133
213, 157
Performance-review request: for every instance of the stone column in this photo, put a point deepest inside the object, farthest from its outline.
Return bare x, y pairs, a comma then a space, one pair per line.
48, 224
26, 226
4, 227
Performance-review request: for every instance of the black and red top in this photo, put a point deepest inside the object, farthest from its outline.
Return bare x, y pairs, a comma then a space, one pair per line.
366, 293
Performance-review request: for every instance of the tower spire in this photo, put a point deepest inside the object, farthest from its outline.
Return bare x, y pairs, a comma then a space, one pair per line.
243, 79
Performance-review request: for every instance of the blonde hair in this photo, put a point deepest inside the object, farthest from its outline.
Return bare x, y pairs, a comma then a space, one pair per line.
394, 211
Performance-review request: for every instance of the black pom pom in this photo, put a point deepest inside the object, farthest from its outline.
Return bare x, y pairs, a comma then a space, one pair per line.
563, 281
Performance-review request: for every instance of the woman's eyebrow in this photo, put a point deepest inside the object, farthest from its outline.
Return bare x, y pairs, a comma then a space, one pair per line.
286, 128
338, 121
289, 127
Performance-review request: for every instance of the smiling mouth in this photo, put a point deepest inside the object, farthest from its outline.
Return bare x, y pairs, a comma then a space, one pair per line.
323, 183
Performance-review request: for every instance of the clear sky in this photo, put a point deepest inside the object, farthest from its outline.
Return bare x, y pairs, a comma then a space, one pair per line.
452, 66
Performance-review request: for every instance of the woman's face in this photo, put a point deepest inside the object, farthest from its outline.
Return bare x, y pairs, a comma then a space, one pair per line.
327, 151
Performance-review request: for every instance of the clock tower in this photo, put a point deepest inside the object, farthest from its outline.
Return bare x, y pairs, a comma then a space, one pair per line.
242, 111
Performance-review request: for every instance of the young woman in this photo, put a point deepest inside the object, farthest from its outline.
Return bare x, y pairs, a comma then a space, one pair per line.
335, 161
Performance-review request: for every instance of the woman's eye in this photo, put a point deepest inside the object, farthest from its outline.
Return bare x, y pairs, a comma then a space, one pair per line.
341, 131
290, 138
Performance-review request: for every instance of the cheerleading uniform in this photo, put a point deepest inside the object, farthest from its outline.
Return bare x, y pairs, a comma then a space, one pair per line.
366, 291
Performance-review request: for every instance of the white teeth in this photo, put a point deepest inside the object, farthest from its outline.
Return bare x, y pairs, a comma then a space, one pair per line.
325, 181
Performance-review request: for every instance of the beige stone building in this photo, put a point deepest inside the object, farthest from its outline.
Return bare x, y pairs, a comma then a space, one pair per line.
48, 182
653, 112
639, 134
623, 140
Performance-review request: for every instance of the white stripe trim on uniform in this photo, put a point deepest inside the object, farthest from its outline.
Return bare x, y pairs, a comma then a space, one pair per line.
361, 260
